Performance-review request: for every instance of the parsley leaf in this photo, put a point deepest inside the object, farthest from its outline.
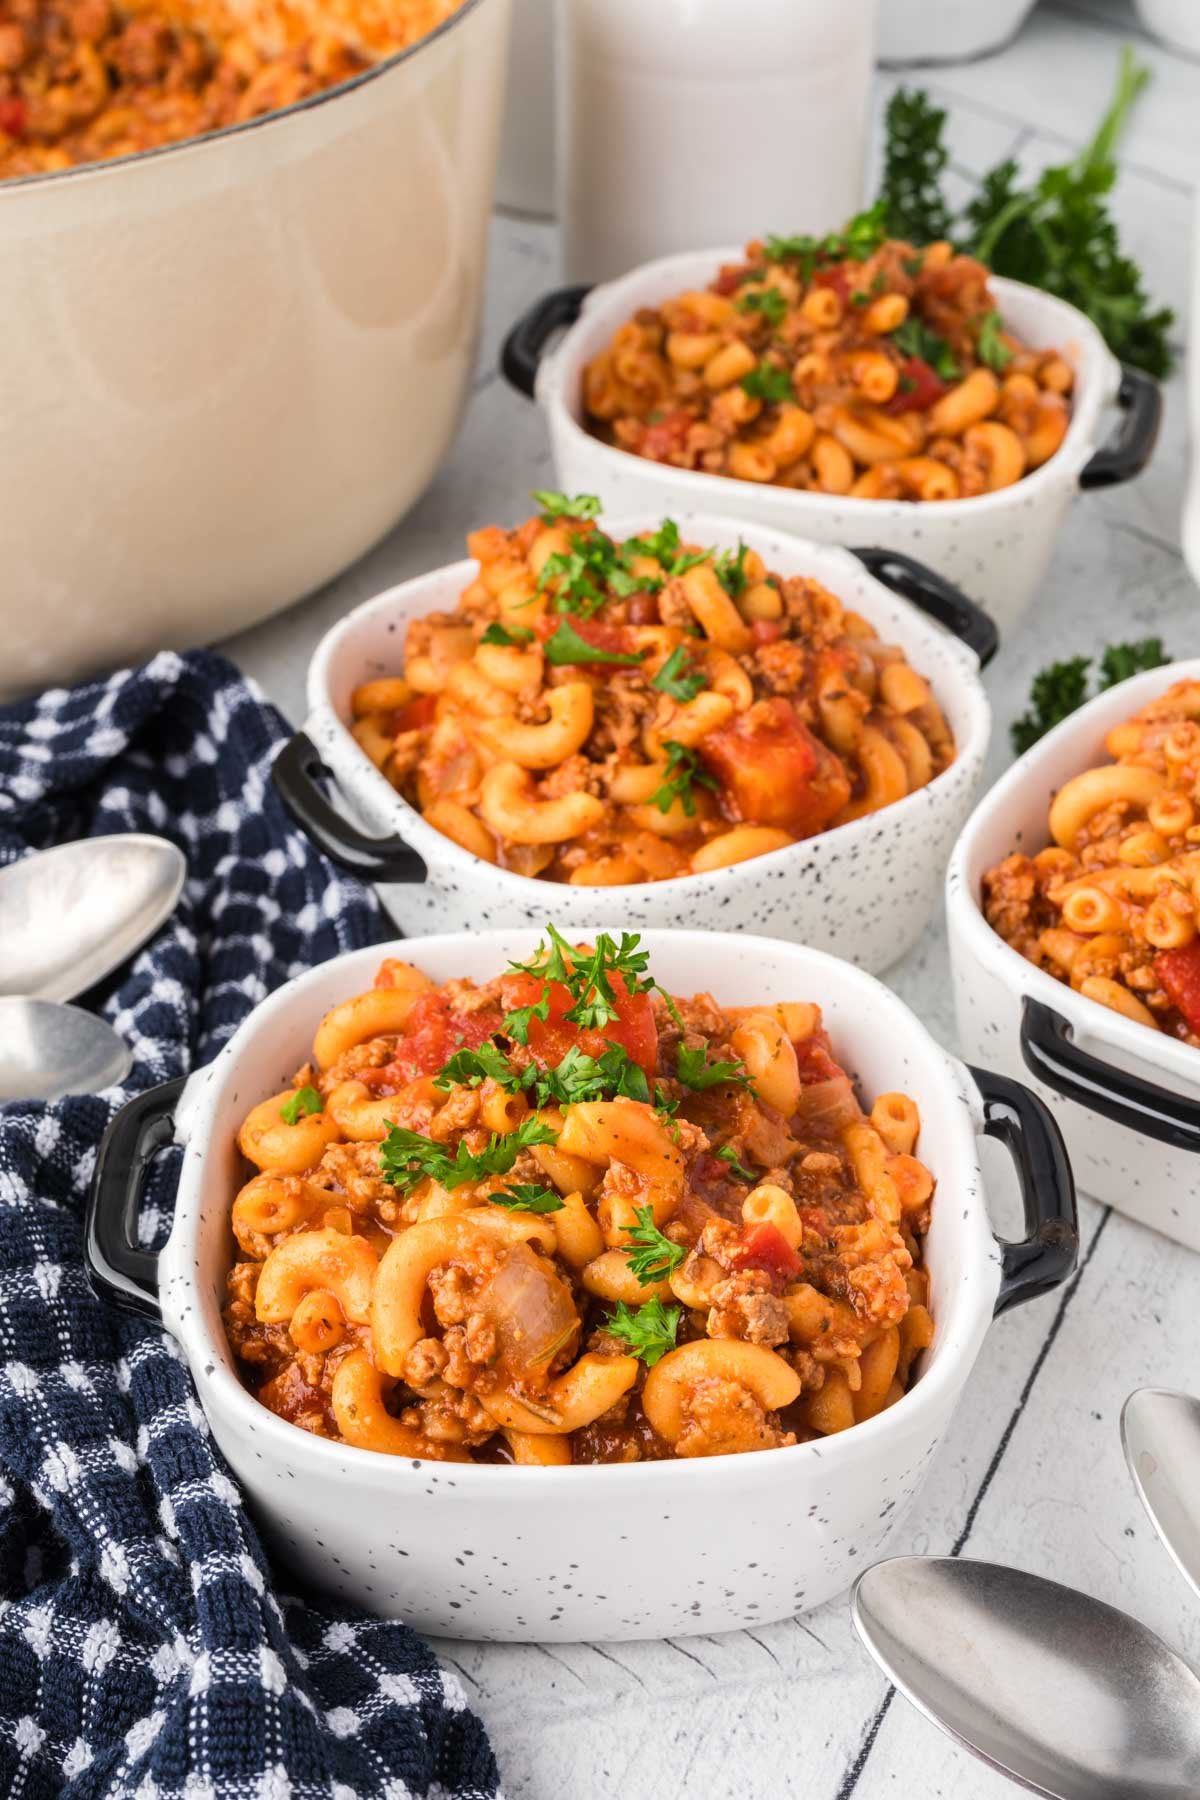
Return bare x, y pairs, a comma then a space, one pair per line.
528, 1197
664, 1106
581, 1077
1057, 691
299, 1105
861, 237
682, 774
517, 1022
651, 1255
768, 383
915, 160
406, 1158
566, 646
991, 351
562, 506
695, 1072
1120, 661
649, 1332
675, 677
665, 547
591, 984
506, 634
731, 570
730, 1156
768, 302
915, 338
467, 1068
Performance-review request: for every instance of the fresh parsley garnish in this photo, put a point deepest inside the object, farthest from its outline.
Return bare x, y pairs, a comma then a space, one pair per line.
1060, 689
1057, 234
517, 1022
467, 1068
528, 1197
683, 773
588, 978
652, 1256
677, 678
564, 506
730, 569
580, 1077
566, 646
506, 635
728, 1155
861, 237
581, 574
768, 383
299, 1105
768, 302
665, 547
915, 338
695, 1071
995, 354
664, 1106
649, 1332
406, 1158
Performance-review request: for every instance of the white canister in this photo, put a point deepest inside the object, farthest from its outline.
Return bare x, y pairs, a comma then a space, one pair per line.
691, 122
525, 177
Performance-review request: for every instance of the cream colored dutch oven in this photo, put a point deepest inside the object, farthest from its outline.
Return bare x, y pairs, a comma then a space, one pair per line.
228, 366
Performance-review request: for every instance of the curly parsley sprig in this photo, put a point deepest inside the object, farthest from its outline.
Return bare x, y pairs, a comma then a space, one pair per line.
652, 1255
406, 1158
648, 1332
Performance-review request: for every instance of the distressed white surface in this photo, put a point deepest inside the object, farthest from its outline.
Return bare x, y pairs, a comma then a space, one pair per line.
1032, 1471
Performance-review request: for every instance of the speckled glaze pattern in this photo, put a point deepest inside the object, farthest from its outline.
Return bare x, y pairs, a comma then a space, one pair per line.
647, 1550
1151, 1182
996, 547
864, 891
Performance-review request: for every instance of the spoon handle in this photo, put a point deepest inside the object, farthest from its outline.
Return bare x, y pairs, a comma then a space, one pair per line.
119, 1269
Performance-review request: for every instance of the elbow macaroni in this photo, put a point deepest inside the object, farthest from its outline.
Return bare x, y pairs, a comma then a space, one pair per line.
608, 1290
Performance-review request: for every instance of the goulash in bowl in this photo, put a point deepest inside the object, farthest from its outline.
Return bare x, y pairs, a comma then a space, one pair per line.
603, 712
566, 1217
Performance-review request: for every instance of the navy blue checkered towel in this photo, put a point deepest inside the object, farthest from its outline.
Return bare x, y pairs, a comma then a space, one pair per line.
143, 1651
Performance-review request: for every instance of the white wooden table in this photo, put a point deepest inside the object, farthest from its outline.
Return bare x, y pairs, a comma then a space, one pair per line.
1032, 1471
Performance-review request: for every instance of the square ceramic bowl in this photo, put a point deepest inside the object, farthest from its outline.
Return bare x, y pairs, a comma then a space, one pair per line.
1126, 1097
863, 890
591, 1552
997, 546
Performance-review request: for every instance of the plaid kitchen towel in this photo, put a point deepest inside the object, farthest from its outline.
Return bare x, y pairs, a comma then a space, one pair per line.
143, 1651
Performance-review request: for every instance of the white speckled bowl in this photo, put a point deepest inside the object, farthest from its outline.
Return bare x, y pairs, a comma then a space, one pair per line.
996, 546
1130, 1147
863, 891
646, 1550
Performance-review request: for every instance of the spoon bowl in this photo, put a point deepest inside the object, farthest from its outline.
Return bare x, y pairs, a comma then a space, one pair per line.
48, 1050
1067, 1696
1161, 1435
71, 915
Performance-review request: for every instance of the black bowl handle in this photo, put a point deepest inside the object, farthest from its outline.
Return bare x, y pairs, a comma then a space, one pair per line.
1140, 399
1052, 1055
117, 1266
296, 772
1027, 1129
935, 596
528, 338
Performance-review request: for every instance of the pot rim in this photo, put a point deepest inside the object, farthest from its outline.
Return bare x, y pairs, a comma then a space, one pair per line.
613, 300
935, 1392
972, 748
965, 915
18, 183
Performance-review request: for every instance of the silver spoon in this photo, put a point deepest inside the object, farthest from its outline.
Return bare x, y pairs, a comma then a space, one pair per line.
71, 915
1070, 1698
1161, 1435
48, 1050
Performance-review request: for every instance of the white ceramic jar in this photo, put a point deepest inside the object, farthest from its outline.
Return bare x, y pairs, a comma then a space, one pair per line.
525, 177
690, 122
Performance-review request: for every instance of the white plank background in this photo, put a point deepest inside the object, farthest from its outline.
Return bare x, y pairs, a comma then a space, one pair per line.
1031, 1472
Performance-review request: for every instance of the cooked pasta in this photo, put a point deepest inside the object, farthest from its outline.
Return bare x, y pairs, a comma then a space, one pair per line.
607, 713
1112, 906
82, 80
600, 1224
854, 365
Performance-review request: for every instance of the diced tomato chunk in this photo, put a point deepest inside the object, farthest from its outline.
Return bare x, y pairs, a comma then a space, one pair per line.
837, 278
814, 1059
731, 278
613, 638
633, 1028
12, 116
774, 771
666, 436
918, 389
1178, 972
765, 1247
431, 1036
766, 631
415, 714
